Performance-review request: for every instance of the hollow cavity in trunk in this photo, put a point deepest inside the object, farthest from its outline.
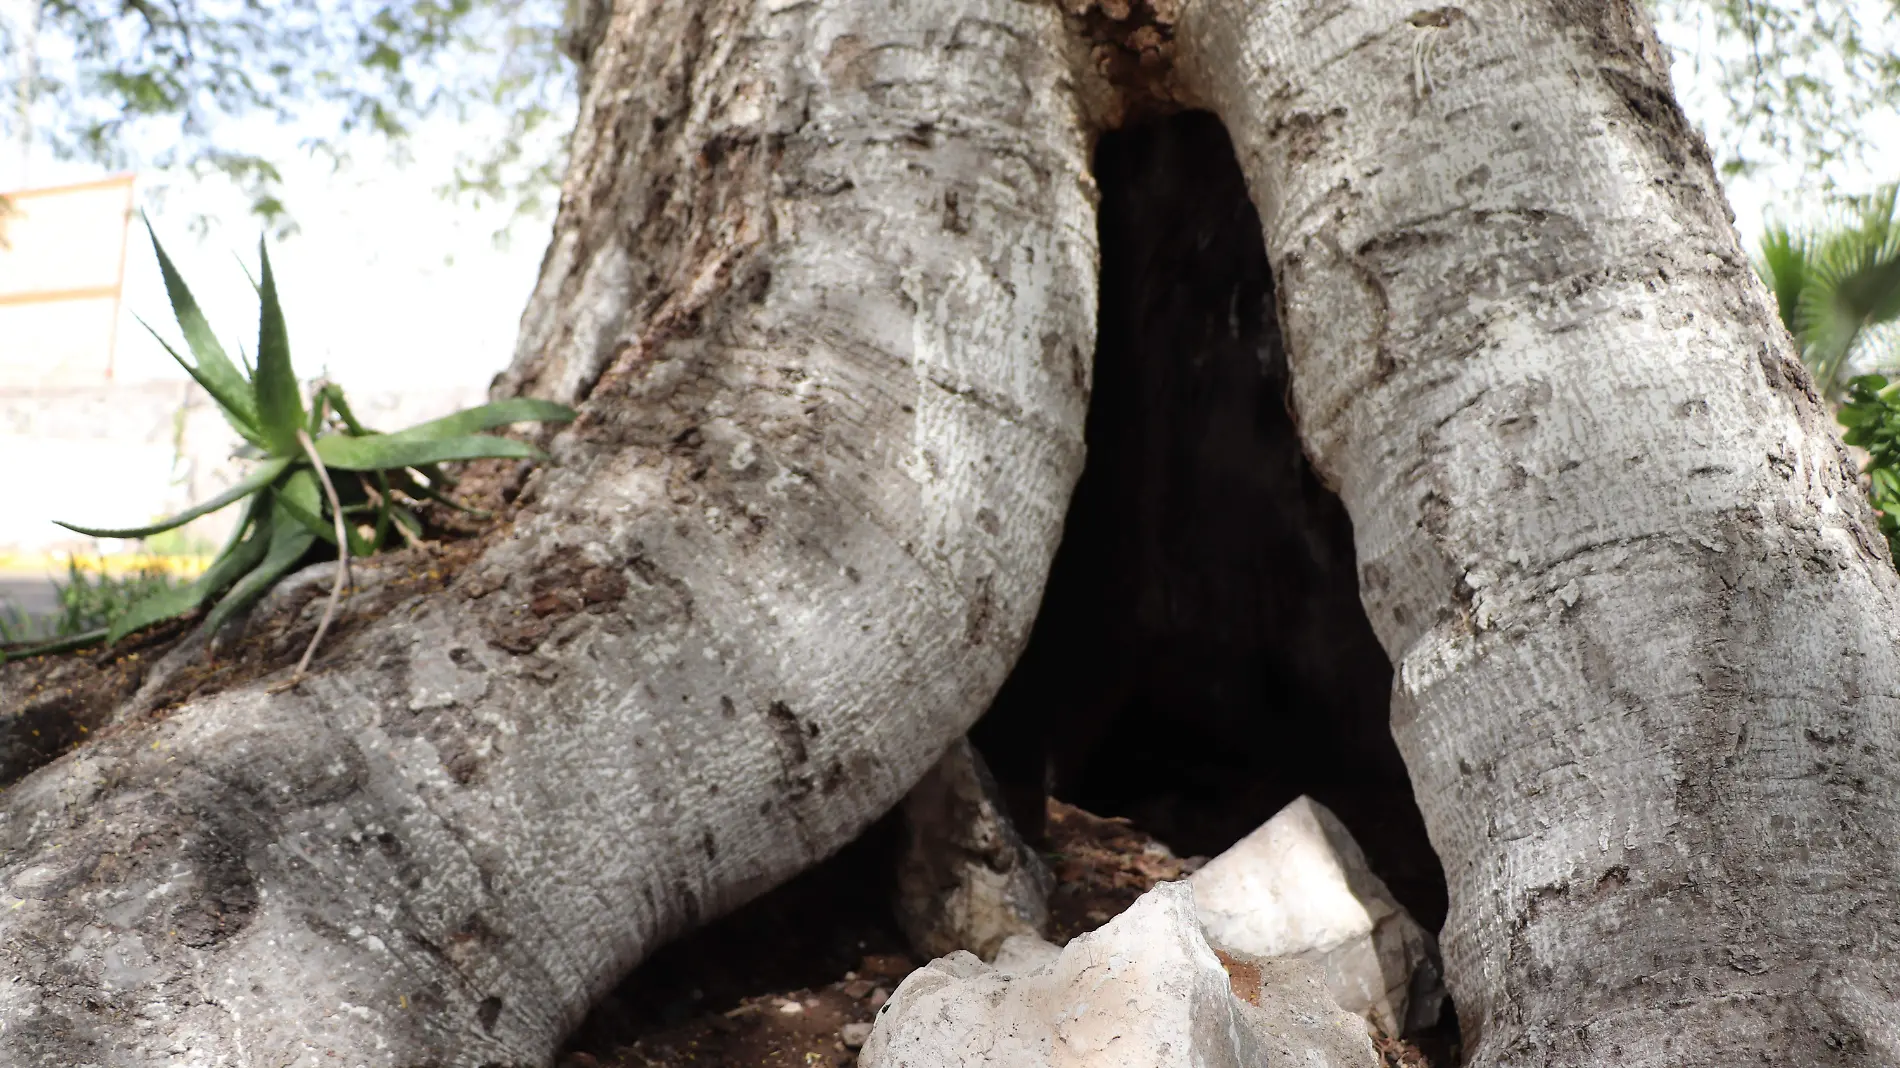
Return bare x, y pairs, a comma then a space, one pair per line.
1201, 657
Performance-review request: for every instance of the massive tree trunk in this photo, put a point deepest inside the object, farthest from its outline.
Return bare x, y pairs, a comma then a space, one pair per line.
1643, 630
823, 287
823, 284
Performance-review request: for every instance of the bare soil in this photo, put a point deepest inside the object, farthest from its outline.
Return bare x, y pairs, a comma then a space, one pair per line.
795, 978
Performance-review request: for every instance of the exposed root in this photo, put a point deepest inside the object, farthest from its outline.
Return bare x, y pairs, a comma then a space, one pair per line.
343, 562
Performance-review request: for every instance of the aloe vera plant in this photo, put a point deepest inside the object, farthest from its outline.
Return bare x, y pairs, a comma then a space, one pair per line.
321, 482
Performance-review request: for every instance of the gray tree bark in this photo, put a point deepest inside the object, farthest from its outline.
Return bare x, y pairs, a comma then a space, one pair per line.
1644, 632
822, 284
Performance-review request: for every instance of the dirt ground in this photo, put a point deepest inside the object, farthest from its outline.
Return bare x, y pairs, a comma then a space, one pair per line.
795, 978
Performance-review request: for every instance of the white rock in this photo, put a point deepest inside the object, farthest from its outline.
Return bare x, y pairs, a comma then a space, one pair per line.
1144, 991
1299, 887
966, 879
1023, 953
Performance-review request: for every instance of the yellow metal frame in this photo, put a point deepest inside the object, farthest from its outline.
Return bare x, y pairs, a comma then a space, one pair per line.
116, 290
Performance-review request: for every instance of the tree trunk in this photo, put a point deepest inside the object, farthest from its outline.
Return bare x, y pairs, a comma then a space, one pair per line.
1643, 629
823, 285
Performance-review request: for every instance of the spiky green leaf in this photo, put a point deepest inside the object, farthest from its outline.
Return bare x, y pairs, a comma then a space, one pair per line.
213, 369
238, 558
488, 417
289, 541
333, 395
261, 476
228, 403
58, 645
1784, 266
280, 411
381, 452
302, 497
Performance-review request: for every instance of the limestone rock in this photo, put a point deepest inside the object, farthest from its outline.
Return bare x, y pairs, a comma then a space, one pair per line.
1022, 954
966, 880
1144, 991
1299, 887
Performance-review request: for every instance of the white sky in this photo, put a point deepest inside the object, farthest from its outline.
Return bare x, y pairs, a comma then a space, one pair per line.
389, 286
1784, 192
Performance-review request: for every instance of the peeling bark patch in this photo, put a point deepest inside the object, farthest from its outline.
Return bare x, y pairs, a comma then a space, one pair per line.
1615, 877
467, 942
488, 1013
565, 582
460, 761
1304, 133
790, 732
834, 779
982, 611
953, 220
600, 586
516, 634
1133, 50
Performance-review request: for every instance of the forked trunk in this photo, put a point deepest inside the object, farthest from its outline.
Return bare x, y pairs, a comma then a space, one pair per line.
823, 284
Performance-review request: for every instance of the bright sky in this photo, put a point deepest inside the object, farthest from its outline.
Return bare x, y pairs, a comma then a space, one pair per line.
390, 286
387, 285
1778, 191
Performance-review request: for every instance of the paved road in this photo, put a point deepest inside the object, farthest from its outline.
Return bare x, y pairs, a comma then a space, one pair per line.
30, 595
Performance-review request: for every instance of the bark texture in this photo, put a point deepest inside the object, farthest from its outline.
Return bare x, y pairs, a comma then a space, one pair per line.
822, 283
1644, 631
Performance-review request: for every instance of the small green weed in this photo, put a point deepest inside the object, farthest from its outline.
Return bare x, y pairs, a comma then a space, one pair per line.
90, 598
16, 627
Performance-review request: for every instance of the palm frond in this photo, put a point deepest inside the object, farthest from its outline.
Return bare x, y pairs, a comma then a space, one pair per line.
1836, 288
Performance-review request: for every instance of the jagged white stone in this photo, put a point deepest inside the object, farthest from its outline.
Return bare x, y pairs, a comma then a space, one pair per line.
1299, 887
1022, 954
1144, 991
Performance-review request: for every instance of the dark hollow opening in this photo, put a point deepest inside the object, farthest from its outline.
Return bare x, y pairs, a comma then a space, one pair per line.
1201, 657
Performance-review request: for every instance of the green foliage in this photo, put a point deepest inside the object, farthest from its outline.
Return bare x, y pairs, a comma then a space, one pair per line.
1799, 79
1838, 290
180, 541
15, 627
89, 600
118, 75
1872, 418
287, 516
1796, 81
